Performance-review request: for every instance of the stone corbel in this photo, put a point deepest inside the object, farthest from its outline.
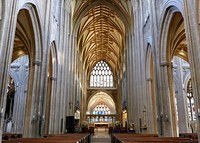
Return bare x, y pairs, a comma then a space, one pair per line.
37, 63
33, 119
164, 64
160, 117
166, 118
149, 79
149, 40
43, 118
53, 78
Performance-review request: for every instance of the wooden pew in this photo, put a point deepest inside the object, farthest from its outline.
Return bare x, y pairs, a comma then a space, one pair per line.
9, 136
189, 135
116, 136
142, 138
158, 139
54, 138
82, 136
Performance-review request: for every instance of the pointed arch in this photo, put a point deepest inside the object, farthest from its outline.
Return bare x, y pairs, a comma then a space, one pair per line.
172, 43
101, 96
151, 100
51, 88
30, 34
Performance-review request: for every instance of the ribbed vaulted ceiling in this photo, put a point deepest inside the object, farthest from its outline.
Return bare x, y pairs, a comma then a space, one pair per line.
101, 37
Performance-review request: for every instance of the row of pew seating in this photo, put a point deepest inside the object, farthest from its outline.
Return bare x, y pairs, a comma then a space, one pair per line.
51, 138
11, 136
153, 138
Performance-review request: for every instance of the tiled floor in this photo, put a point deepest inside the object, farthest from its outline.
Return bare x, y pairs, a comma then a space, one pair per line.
101, 136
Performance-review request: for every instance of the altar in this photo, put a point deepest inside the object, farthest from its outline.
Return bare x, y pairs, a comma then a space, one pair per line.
101, 124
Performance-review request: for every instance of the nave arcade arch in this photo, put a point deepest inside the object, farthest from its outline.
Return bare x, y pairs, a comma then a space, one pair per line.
175, 65
101, 108
23, 60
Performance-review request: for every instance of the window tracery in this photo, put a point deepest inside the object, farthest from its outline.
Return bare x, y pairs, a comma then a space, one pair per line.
101, 109
101, 75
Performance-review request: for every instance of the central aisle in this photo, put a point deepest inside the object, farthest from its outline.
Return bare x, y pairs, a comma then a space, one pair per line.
100, 136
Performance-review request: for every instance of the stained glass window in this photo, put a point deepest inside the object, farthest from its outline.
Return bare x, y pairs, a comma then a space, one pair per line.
190, 102
101, 75
101, 109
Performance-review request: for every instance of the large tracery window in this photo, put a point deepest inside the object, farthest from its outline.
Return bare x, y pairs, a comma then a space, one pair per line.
101, 75
101, 109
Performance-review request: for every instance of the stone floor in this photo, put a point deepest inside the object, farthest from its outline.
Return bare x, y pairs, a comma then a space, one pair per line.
101, 136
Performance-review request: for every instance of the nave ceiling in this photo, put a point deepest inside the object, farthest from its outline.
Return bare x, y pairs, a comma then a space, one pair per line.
101, 33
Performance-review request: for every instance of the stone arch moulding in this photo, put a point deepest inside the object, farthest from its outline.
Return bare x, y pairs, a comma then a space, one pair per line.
185, 83
33, 13
147, 61
108, 99
53, 49
88, 99
168, 107
169, 9
35, 19
35, 64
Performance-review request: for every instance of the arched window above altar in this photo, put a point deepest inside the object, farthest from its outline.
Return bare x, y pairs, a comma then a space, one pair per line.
101, 109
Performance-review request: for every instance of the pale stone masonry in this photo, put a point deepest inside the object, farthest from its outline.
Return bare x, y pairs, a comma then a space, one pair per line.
48, 49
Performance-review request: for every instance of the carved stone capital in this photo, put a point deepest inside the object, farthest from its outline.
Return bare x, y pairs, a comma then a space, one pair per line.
149, 79
164, 64
37, 63
52, 78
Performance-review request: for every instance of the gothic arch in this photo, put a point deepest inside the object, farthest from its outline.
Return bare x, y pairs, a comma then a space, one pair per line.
104, 92
166, 53
51, 87
150, 94
35, 19
53, 52
170, 8
30, 36
174, 39
148, 58
88, 99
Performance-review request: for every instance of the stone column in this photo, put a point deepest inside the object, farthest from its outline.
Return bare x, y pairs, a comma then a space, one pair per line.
167, 116
21, 76
151, 106
192, 26
180, 96
31, 118
129, 74
7, 28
